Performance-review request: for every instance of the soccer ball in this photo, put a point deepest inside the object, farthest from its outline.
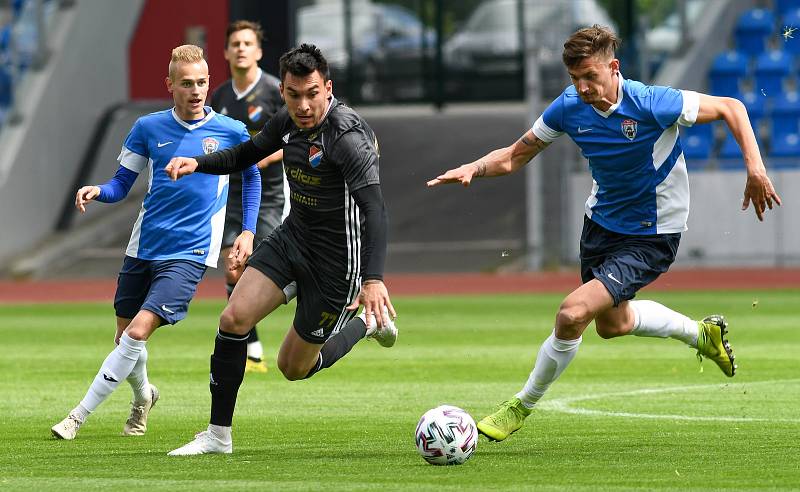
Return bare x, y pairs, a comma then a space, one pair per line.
446, 435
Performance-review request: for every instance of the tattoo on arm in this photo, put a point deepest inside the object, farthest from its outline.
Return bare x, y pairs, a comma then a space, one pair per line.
480, 169
535, 143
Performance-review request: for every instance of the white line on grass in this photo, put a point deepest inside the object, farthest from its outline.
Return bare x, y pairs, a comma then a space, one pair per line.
565, 405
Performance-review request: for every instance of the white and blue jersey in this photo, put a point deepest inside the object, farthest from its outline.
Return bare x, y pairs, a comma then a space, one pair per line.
640, 183
181, 219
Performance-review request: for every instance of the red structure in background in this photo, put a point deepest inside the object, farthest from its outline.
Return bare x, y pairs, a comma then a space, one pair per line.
163, 25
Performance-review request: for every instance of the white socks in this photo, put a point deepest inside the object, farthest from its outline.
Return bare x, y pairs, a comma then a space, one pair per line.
117, 366
554, 356
255, 350
138, 379
220, 432
652, 319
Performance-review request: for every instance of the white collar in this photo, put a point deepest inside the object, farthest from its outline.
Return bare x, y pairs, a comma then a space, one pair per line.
191, 126
607, 113
249, 88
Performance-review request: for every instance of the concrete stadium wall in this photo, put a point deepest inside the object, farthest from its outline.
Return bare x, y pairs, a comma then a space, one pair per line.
59, 106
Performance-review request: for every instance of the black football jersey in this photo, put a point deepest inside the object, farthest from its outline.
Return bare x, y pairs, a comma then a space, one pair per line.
324, 165
254, 108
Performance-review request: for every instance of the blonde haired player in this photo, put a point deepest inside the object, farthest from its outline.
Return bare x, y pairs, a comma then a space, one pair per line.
175, 238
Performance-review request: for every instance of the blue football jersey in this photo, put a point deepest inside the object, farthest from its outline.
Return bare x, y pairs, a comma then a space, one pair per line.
181, 219
640, 183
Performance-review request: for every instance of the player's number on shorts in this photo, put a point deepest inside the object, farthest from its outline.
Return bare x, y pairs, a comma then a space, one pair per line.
328, 319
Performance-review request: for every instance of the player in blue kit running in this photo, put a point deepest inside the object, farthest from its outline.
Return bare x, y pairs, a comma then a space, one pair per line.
635, 214
176, 236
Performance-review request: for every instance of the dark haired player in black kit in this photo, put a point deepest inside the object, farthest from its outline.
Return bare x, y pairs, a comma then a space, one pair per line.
333, 243
251, 96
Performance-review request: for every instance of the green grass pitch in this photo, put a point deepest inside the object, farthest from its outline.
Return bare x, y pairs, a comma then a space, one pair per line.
628, 414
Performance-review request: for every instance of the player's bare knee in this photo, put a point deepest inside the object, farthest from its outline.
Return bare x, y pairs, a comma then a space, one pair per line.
231, 322
291, 372
137, 332
573, 316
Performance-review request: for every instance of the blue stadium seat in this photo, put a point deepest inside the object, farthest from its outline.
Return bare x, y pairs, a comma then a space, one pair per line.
785, 115
705, 130
791, 41
772, 67
786, 146
730, 149
752, 30
756, 105
726, 72
784, 7
696, 148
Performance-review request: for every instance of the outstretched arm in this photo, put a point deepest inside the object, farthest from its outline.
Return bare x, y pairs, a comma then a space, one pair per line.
226, 161
758, 189
496, 163
114, 190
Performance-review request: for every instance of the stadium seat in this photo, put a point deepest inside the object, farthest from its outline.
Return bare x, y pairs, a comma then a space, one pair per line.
696, 147
730, 149
785, 115
790, 42
772, 67
726, 72
784, 7
786, 146
756, 105
752, 30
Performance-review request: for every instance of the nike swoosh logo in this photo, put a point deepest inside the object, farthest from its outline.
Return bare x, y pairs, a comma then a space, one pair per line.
109, 378
163, 144
584, 130
612, 277
166, 309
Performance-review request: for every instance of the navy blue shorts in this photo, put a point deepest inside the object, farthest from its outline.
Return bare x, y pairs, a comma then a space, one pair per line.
163, 287
624, 263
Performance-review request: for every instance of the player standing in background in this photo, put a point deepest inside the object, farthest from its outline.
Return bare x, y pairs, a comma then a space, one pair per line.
251, 96
174, 239
333, 243
635, 214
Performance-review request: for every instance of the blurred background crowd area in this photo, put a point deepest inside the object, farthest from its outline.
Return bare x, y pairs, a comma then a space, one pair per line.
442, 82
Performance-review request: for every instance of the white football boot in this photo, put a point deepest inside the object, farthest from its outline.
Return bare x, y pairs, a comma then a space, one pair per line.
67, 429
385, 335
136, 425
204, 443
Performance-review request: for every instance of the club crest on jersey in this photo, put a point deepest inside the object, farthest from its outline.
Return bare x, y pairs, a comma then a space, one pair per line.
254, 112
210, 145
629, 128
314, 156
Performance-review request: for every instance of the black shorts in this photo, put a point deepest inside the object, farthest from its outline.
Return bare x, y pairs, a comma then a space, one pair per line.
624, 263
163, 287
324, 285
268, 219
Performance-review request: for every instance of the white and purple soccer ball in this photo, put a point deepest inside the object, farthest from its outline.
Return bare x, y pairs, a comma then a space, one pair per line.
446, 435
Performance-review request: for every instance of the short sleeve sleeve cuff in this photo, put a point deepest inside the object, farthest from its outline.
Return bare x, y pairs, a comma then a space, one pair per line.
131, 160
691, 106
544, 132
